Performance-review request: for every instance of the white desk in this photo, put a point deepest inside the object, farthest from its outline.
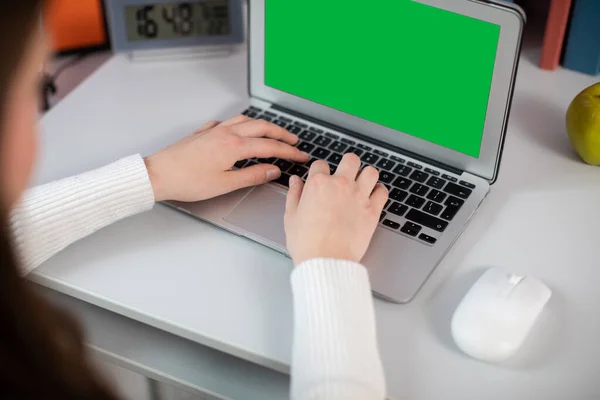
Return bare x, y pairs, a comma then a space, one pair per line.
227, 293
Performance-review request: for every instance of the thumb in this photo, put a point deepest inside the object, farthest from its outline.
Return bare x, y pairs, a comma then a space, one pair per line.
250, 176
294, 194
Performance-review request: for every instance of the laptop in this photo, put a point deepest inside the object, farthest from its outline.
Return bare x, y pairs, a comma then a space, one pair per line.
421, 90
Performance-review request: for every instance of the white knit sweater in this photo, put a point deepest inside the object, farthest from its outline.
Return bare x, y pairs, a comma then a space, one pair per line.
335, 352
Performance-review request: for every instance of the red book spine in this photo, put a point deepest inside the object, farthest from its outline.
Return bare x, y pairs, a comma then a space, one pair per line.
554, 37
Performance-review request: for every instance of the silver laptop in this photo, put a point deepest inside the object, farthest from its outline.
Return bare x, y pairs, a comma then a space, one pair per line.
419, 89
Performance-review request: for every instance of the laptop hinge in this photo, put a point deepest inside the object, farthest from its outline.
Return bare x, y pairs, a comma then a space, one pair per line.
376, 142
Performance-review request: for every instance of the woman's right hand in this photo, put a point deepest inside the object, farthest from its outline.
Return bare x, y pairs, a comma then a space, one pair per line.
333, 216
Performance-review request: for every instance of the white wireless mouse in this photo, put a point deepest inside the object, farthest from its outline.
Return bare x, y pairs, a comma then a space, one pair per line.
496, 315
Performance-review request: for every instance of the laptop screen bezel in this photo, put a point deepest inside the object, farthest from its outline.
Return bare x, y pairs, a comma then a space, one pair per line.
486, 165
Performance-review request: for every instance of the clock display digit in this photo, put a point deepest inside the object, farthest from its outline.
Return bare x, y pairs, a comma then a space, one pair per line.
178, 20
146, 26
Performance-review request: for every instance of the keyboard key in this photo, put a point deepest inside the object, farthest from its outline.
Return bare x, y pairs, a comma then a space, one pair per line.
427, 220
432, 171
338, 147
364, 147
323, 141
381, 153
450, 178
310, 162
382, 216
308, 136
321, 153
387, 203
332, 168
453, 205
280, 123
386, 164
402, 183
306, 147
246, 112
301, 124
283, 165
369, 158
386, 177
419, 176
286, 120
332, 135
398, 209
316, 130
398, 159
348, 141
267, 160
456, 190
436, 195
356, 151
467, 184
252, 114
284, 180
391, 224
454, 202
427, 238
411, 229
266, 118
240, 164
298, 170
415, 201
402, 170
419, 190
270, 114
414, 165
251, 163
398, 195
437, 183
255, 109
335, 158
294, 129
433, 208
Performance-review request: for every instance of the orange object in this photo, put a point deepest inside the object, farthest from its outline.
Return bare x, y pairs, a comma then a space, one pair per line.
76, 24
554, 37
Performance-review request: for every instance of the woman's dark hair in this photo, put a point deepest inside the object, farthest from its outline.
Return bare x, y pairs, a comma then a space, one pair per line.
42, 355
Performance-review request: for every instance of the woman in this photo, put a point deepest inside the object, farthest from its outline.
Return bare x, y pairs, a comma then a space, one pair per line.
329, 222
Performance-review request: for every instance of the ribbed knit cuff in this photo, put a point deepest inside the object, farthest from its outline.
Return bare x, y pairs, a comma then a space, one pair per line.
335, 350
52, 216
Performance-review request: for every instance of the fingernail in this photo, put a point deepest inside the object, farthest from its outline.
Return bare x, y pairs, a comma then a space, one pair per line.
305, 154
273, 174
294, 179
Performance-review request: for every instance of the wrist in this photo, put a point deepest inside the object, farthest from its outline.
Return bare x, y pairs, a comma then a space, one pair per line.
155, 180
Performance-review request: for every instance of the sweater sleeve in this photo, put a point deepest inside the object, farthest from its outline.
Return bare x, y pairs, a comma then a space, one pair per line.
335, 353
53, 216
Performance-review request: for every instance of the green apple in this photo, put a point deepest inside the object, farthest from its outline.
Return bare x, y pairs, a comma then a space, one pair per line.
583, 124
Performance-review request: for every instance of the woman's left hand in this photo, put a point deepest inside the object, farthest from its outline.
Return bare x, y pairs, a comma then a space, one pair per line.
198, 167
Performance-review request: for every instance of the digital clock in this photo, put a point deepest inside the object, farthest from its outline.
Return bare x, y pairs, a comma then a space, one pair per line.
138, 25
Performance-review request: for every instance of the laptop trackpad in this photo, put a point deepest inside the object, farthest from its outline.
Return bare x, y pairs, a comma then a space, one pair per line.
260, 214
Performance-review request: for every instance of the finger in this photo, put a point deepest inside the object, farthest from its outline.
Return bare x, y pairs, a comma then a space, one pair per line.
207, 126
379, 197
319, 167
250, 176
238, 119
294, 194
349, 166
266, 148
264, 129
367, 179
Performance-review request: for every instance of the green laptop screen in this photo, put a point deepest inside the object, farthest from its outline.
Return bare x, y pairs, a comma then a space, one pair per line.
398, 63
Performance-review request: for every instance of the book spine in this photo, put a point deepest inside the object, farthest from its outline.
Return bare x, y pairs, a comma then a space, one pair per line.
556, 27
583, 43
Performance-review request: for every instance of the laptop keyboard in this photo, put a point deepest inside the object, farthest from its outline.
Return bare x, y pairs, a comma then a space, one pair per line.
422, 200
